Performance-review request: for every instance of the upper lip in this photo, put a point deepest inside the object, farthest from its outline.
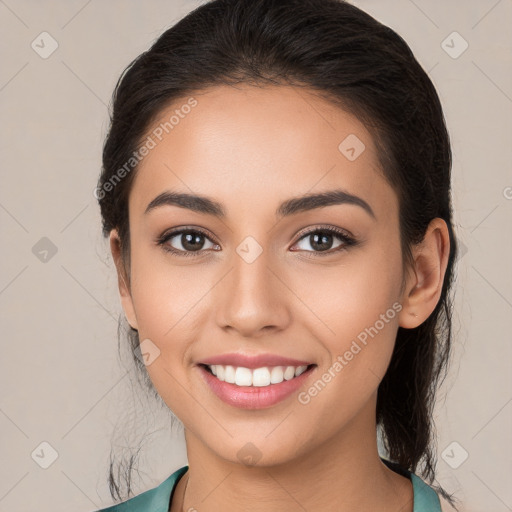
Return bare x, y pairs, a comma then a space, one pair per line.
253, 361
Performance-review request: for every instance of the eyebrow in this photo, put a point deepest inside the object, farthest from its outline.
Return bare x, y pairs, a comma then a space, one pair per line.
203, 204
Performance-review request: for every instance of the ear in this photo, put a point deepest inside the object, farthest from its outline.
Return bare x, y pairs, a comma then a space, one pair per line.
122, 279
424, 282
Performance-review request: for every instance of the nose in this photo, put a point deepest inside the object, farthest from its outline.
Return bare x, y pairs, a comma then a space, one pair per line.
252, 299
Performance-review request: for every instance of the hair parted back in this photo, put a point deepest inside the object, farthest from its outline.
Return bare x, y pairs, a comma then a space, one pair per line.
364, 67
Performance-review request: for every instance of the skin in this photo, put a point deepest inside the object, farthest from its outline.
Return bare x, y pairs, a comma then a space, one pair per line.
250, 149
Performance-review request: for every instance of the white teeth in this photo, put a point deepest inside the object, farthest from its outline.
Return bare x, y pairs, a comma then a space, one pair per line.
289, 373
243, 376
259, 377
229, 374
299, 370
276, 375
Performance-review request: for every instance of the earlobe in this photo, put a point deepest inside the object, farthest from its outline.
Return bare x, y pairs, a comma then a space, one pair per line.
425, 281
122, 279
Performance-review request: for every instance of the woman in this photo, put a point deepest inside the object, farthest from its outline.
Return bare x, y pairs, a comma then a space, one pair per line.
276, 193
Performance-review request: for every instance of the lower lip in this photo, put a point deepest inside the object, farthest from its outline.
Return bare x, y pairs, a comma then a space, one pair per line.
253, 397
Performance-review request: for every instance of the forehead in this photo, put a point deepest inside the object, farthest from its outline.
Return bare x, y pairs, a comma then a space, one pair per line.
246, 145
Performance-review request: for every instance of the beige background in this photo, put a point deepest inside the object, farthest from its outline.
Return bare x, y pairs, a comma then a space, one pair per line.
60, 379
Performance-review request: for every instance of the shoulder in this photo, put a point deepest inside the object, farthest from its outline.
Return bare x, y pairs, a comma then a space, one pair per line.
426, 498
153, 500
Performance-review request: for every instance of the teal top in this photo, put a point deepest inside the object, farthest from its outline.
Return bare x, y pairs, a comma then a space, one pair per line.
159, 498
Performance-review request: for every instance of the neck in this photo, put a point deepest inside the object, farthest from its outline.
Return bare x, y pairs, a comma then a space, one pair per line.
345, 474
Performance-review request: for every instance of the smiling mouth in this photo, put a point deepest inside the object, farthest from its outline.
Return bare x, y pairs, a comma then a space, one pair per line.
258, 377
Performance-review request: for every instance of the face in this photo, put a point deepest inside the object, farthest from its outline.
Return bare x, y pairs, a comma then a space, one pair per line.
255, 280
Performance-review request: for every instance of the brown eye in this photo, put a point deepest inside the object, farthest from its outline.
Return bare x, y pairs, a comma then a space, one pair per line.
323, 240
185, 242
191, 241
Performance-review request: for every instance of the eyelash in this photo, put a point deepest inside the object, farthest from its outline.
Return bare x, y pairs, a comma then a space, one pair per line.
348, 241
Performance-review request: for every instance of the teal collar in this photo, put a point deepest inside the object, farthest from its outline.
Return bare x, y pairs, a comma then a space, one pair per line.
159, 498
425, 498
153, 500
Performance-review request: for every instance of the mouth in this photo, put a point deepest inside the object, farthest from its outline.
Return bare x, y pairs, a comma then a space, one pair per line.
254, 388
257, 377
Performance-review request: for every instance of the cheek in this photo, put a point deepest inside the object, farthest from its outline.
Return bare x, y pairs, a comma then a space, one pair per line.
167, 300
170, 304
352, 296
358, 306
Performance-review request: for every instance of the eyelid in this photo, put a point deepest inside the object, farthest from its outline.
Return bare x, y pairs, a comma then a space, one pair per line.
325, 227
169, 233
